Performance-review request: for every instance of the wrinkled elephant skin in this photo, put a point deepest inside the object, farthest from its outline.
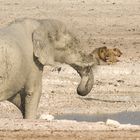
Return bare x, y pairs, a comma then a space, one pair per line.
26, 46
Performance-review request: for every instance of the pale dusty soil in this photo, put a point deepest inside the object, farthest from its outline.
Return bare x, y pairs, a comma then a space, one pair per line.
65, 130
111, 23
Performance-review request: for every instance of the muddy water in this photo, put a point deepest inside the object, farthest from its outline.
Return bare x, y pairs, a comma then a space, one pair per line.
122, 117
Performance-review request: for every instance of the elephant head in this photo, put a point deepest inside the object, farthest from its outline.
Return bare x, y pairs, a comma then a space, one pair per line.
53, 42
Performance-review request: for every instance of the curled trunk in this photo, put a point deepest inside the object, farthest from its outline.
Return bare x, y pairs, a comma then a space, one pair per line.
87, 79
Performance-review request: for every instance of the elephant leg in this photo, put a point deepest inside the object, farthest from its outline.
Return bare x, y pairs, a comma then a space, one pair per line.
31, 103
33, 93
19, 101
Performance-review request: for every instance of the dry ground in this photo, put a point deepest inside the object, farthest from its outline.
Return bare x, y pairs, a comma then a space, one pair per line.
111, 23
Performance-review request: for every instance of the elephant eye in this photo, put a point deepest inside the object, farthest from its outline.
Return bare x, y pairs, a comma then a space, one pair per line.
50, 37
88, 69
57, 37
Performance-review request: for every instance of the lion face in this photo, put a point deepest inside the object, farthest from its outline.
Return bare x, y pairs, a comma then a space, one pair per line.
102, 53
112, 54
117, 52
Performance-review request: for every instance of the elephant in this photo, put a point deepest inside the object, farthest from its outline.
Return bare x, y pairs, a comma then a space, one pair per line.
26, 46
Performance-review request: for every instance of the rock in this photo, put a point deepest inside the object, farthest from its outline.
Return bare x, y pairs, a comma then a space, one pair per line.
114, 123
47, 117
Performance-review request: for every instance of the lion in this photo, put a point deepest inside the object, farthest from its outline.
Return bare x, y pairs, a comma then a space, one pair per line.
104, 55
99, 54
112, 55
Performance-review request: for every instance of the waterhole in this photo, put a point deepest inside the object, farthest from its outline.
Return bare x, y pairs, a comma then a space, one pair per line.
122, 117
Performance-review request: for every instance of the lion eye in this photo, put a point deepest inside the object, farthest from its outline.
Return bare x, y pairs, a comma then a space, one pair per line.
102, 51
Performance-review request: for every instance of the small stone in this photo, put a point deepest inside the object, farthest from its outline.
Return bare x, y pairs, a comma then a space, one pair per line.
120, 81
47, 117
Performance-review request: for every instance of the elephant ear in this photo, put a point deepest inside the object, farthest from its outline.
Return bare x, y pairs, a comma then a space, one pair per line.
42, 48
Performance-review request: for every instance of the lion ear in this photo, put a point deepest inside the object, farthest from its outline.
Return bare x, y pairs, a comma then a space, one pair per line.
42, 49
115, 49
102, 49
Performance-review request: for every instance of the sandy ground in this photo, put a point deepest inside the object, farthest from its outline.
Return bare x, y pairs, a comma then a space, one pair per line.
111, 23
65, 130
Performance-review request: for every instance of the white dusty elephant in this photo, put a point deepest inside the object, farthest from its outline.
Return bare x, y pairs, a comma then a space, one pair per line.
26, 46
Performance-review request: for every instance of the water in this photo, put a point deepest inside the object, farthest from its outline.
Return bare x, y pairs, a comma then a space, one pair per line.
122, 117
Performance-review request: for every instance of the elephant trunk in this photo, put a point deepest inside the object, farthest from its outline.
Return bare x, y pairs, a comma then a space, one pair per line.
87, 80
85, 85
